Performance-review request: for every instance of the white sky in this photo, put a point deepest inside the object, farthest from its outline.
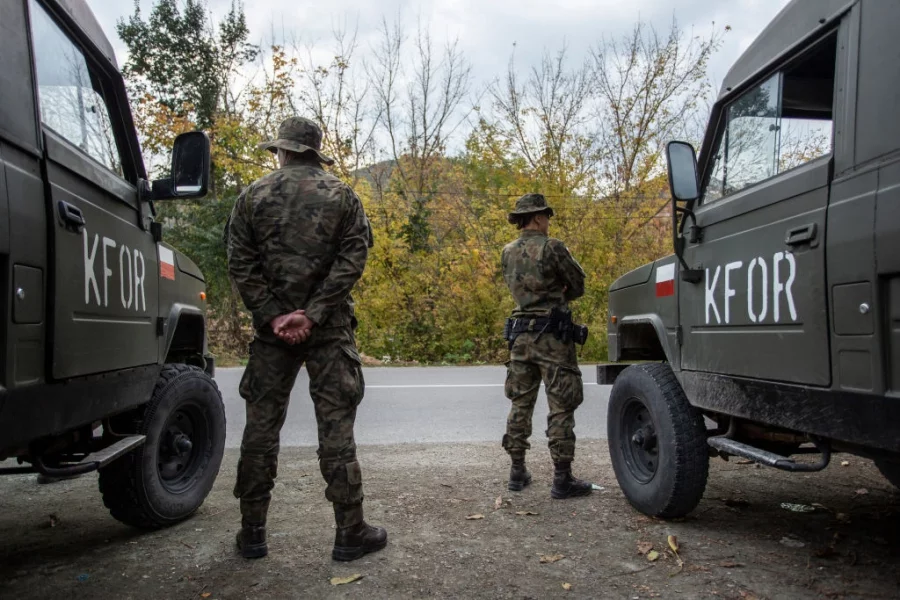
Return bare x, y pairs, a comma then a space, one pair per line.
487, 29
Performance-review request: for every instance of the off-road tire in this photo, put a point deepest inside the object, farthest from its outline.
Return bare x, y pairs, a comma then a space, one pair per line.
674, 485
136, 489
890, 470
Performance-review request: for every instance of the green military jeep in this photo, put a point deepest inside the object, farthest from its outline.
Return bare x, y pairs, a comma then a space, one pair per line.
778, 316
103, 335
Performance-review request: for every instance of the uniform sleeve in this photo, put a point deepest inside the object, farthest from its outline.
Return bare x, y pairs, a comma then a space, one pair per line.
348, 265
567, 269
245, 268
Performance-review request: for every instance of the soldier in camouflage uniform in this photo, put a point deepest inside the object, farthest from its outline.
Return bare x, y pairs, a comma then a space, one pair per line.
543, 278
298, 239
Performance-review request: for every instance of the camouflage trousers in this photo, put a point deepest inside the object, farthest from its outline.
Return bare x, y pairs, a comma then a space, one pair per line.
336, 386
534, 359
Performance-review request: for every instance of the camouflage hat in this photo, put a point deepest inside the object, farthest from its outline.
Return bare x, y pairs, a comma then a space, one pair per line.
528, 204
297, 134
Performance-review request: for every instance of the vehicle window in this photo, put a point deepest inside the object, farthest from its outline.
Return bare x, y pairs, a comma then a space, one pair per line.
784, 122
71, 97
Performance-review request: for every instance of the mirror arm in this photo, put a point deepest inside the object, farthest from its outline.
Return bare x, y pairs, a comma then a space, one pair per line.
163, 189
687, 274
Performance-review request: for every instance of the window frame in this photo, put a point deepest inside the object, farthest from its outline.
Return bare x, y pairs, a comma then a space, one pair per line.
778, 69
100, 71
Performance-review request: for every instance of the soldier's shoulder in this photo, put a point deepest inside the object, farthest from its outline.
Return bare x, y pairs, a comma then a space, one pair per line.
557, 245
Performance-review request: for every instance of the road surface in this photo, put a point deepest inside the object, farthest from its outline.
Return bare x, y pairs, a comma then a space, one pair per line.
421, 405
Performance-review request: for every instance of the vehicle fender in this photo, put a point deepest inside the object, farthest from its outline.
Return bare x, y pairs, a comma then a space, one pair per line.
627, 325
184, 328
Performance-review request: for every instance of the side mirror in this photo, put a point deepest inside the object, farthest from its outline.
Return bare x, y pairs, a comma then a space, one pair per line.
682, 171
190, 169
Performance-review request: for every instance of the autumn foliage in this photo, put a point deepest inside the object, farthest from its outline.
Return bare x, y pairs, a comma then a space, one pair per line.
437, 160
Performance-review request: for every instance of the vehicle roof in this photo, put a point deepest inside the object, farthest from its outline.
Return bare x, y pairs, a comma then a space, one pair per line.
83, 17
796, 21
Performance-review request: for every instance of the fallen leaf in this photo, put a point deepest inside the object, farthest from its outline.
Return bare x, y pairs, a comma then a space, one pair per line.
345, 580
474, 517
730, 564
791, 542
551, 558
644, 547
653, 556
567, 586
206, 594
798, 508
845, 463
748, 595
498, 502
745, 462
673, 544
447, 485
862, 492
525, 513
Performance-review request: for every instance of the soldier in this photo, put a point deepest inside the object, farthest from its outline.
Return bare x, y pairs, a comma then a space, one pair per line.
298, 242
543, 278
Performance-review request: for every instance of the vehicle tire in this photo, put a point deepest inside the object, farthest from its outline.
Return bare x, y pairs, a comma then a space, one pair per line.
657, 442
890, 470
166, 480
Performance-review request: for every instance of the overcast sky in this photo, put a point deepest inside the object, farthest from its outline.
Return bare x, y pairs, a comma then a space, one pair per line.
487, 29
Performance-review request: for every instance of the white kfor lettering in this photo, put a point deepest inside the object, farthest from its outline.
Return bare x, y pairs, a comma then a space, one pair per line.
765, 290
729, 291
125, 284
139, 280
783, 287
710, 295
107, 272
90, 280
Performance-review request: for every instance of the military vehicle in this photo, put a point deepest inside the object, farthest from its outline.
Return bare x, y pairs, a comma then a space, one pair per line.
104, 359
773, 330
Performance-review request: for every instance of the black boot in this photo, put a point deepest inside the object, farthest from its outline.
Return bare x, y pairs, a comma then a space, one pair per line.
519, 477
565, 485
353, 537
251, 540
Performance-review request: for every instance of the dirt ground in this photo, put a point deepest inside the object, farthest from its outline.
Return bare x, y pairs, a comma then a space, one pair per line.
57, 541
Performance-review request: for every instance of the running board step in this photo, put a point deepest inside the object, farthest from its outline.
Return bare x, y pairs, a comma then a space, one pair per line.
770, 459
111, 453
93, 461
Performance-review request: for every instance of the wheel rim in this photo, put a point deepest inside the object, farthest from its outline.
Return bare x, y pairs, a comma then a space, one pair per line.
182, 447
639, 443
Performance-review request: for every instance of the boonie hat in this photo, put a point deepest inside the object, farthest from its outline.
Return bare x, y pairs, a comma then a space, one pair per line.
298, 134
530, 203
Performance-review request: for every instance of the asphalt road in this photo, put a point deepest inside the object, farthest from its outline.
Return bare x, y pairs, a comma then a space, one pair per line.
421, 405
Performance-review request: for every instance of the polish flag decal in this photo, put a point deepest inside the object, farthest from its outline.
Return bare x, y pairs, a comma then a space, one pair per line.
665, 280
167, 263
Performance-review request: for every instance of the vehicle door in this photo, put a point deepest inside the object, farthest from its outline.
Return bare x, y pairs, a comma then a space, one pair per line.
103, 264
760, 309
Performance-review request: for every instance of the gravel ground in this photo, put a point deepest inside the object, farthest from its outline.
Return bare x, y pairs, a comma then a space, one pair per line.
58, 541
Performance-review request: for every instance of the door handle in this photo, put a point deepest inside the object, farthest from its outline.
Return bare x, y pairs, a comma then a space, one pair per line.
71, 216
801, 235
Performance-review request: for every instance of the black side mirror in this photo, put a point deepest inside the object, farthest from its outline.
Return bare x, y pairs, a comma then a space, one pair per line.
190, 169
682, 171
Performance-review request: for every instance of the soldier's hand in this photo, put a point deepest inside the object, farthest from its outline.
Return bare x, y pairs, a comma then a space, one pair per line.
293, 328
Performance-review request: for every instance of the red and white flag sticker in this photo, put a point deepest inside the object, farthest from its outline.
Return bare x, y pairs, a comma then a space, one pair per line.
665, 280
166, 263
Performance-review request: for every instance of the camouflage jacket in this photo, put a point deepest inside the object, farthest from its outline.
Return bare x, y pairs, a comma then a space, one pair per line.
298, 238
541, 274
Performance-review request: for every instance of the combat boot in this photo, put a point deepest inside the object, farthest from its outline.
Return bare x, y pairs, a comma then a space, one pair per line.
251, 540
353, 537
565, 485
519, 477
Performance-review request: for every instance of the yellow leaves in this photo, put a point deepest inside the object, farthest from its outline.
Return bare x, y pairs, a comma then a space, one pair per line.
345, 580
